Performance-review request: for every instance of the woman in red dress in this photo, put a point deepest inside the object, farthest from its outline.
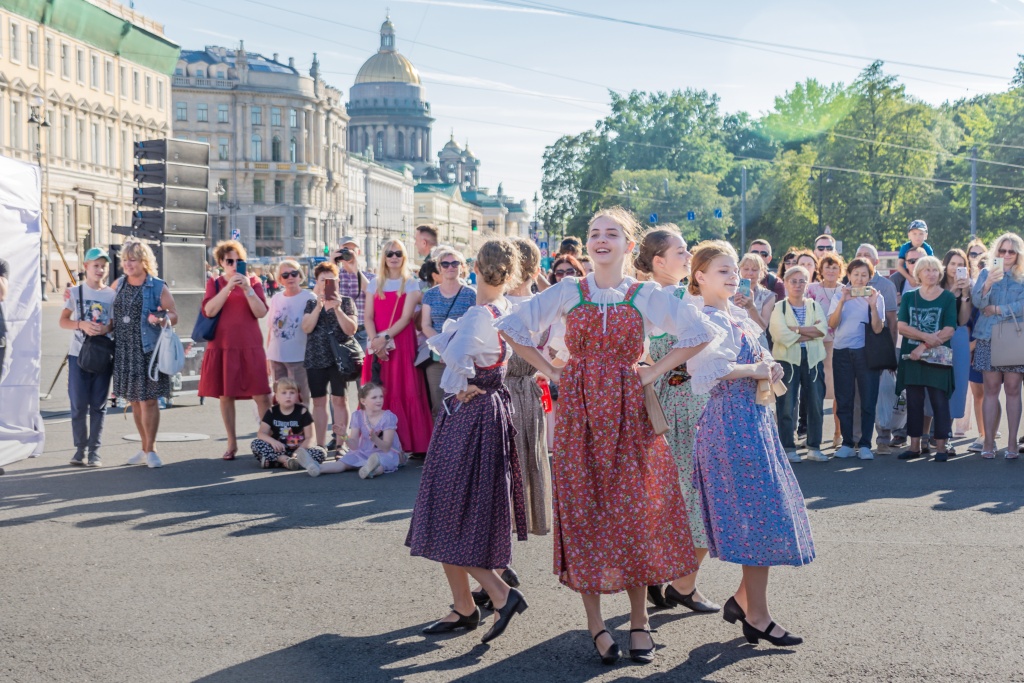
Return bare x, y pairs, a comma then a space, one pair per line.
234, 364
391, 301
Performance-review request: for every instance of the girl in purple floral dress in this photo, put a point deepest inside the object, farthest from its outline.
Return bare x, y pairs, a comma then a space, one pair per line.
753, 508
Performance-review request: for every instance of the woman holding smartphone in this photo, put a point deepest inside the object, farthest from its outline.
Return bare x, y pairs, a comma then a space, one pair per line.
956, 280
756, 301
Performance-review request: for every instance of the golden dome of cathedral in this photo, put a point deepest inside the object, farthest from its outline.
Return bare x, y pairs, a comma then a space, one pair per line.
388, 66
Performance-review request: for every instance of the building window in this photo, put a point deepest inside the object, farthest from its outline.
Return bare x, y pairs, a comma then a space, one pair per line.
257, 193
149, 91
203, 138
33, 48
257, 148
222, 149
297, 227
401, 145
378, 148
292, 148
95, 129
80, 66
108, 76
181, 111
160, 94
65, 137
69, 224
279, 192
94, 71
48, 49
275, 116
135, 85
257, 116
15, 42
222, 113
80, 134
293, 118
297, 192
222, 190
65, 61
202, 113
51, 131
268, 228
275, 149
111, 148
124, 82
15, 124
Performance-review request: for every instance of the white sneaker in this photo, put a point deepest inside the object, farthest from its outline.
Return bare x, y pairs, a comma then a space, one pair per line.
864, 453
817, 456
306, 460
153, 460
136, 459
845, 452
368, 471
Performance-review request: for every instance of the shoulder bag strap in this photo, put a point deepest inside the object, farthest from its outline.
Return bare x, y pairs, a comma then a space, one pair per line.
452, 304
81, 309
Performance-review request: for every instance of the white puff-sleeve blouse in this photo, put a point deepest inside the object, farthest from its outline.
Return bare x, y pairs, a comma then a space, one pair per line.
466, 343
715, 361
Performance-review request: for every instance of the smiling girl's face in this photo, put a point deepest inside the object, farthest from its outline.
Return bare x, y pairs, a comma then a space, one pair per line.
607, 244
720, 279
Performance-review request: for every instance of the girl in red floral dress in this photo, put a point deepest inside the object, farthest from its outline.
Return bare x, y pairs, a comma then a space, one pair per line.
619, 517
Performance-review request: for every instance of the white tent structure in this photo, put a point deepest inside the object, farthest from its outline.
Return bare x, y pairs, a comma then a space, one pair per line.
21, 426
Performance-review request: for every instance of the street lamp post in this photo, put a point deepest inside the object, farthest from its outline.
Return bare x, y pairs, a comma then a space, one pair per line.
40, 123
629, 189
376, 228
822, 176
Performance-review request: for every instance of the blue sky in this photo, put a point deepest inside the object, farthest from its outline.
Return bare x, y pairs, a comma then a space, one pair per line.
527, 76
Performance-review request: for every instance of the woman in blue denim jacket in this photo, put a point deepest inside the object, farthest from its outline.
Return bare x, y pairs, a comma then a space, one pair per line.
999, 295
141, 304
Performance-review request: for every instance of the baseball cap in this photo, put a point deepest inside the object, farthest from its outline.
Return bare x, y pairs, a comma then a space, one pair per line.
918, 225
96, 253
348, 239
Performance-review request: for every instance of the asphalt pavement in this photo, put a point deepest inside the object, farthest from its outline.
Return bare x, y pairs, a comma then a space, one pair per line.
214, 571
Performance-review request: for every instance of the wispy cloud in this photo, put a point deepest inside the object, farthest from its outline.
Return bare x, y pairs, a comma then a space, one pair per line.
216, 34
488, 84
490, 8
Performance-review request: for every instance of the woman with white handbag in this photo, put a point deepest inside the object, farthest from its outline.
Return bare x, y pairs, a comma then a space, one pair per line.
999, 347
141, 306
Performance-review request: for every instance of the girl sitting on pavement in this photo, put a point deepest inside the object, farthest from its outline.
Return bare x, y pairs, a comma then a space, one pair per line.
373, 445
283, 431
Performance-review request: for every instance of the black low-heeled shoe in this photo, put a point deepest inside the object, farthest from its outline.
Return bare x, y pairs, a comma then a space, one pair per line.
468, 622
642, 656
516, 604
753, 636
480, 598
732, 612
510, 577
612, 654
674, 597
657, 597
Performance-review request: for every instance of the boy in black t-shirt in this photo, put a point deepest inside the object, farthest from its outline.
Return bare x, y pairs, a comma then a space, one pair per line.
285, 428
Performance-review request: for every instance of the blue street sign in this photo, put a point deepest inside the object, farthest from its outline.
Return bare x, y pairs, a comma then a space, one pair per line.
691, 215
718, 213
653, 218
542, 245
236, 234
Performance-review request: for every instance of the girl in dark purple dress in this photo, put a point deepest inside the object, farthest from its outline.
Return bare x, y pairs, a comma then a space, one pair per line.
471, 481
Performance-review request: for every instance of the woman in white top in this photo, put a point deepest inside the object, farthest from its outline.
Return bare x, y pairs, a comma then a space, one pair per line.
827, 290
759, 305
286, 340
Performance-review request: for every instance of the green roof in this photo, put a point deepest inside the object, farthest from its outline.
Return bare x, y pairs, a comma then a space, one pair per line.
99, 28
441, 188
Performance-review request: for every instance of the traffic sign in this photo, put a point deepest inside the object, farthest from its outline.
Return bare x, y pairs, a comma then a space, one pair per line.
718, 213
691, 215
543, 253
542, 234
542, 246
236, 234
653, 218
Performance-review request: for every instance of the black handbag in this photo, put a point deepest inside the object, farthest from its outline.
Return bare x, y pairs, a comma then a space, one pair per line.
97, 352
205, 328
348, 357
879, 349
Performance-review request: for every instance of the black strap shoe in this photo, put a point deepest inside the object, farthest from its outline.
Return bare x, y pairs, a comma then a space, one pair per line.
468, 622
510, 577
612, 654
785, 640
732, 612
642, 656
516, 604
657, 597
674, 597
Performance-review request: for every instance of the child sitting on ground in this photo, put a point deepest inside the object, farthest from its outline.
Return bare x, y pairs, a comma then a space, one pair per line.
284, 430
373, 445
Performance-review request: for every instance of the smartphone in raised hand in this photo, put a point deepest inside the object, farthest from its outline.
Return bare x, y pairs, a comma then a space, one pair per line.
240, 267
744, 288
330, 289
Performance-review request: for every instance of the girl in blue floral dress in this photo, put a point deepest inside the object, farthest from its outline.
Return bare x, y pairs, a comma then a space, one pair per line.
753, 508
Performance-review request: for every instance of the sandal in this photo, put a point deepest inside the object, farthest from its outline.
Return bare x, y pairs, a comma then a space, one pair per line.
229, 454
988, 455
1011, 455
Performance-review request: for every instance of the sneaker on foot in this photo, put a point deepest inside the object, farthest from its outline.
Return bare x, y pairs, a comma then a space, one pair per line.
898, 440
941, 457
882, 448
311, 466
137, 459
78, 460
976, 447
864, 453
909, 455
792, 456
369, 470
816, 455
94, 460
293, 464
845, 452
153, 460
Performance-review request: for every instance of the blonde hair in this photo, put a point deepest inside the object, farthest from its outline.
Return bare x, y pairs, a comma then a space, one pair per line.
703, 254
222, 249
287, 262
438, 252
286, 383
926, 262
1017, 272
529, 257
796, 270
497, 263
135, 250
382, 269
762, 267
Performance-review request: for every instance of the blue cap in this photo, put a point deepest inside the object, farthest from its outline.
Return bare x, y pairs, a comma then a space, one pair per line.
96, 253
918, 225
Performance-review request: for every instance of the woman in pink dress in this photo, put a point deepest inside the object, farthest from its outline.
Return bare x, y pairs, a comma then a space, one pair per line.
391, 301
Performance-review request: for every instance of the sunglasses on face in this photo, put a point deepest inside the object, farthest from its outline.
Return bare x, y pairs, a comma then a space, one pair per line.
562, 273
231, 261
762, 254
449, 264
788, 261
394, 254
912, 261
975, 254
290, 274
824, 247
1007, 252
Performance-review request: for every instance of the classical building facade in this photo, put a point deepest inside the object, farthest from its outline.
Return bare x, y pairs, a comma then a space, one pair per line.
278, 148
458, 222
380, 204
390, 117
75, 96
